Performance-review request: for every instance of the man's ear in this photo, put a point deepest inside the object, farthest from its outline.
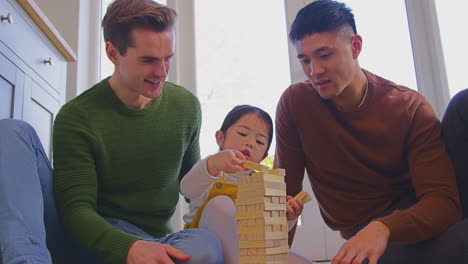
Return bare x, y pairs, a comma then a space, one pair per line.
219, 138
112, 52
356, 45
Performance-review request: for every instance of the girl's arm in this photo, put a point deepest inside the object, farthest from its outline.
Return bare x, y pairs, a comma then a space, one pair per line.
197, 181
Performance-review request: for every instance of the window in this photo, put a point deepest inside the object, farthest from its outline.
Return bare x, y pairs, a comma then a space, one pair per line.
241, 58
386, 40
454, 42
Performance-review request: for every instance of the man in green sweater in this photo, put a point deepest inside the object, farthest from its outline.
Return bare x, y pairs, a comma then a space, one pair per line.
121, 148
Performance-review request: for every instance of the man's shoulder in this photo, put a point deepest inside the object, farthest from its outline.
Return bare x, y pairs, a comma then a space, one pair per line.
300, 91
88, 97
176, 90
86, 104
390, 89
389, 95
180, 97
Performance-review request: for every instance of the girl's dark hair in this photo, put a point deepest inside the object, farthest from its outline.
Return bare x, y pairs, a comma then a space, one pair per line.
239, 111
321, 16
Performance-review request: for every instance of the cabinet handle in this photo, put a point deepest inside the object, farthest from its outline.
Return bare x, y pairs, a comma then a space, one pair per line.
48, 61
8, 18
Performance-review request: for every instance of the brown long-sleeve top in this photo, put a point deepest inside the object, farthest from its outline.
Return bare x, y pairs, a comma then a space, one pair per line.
360, 162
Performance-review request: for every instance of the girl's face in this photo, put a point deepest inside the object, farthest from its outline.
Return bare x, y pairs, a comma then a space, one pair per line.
249, 135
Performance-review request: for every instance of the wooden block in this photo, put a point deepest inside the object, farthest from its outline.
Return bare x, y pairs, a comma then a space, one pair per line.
275, 207
255, 166
278, 171
249, 215
277, 250
275, 220
282, 199
250, 229
303, 196
275, 185
276, 235
274, 192
259, 176
263, 243
249, 194
262, 185
250, 200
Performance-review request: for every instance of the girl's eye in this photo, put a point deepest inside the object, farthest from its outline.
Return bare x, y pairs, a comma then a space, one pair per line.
242, 134
260, 142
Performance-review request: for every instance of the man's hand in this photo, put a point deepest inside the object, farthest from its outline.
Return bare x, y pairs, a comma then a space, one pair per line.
154, 253
369, 243
293, 208
229, 161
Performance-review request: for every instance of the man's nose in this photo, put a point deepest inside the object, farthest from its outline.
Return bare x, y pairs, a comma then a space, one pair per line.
316, 69
161, 69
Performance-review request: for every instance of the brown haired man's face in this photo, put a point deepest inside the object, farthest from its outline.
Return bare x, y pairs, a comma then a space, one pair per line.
142, 71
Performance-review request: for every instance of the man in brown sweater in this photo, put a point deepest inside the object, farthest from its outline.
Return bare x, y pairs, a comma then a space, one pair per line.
371, 148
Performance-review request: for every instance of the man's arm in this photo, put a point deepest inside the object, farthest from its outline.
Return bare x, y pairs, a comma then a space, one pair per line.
289, 154
433, 178
434, 182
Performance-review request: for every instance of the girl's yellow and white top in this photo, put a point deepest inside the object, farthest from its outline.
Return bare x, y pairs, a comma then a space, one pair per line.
199, 186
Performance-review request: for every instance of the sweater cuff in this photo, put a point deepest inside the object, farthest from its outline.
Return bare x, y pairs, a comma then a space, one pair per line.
205, 168
393, 225
118, 251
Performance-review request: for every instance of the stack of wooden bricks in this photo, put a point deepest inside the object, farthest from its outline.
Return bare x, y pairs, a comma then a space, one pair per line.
261, 216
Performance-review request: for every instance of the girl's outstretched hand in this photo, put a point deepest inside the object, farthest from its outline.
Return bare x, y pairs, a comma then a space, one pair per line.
229, 161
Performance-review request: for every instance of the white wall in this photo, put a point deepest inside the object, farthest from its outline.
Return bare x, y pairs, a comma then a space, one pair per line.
78, 23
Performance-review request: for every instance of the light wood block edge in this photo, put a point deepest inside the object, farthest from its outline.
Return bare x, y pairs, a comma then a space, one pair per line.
255, 166
303, 196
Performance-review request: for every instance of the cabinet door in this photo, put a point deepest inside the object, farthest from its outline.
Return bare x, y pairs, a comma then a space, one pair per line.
39, 110
11, 89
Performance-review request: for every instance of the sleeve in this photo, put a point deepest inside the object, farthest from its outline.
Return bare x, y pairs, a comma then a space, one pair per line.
192, 154
455, 135
197, 181
76, 186
289, 154
433, 179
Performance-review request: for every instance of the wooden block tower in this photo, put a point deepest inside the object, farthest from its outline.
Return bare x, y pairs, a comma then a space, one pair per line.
261, 216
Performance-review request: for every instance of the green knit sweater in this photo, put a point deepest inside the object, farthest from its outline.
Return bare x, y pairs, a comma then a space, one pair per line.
110, 160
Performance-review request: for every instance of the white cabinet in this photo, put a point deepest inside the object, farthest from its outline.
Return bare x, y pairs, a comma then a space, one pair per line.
33, 60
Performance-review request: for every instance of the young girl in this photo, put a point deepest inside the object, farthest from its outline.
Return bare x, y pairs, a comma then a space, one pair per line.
246, 133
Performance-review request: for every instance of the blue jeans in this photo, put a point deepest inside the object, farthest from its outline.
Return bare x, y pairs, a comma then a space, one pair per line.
201, 245
28, 213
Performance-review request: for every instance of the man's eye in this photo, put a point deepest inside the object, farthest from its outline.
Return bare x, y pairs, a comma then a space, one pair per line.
304, 61
325, 56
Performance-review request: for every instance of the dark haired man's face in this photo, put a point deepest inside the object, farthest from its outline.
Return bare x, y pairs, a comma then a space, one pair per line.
141, 72
329, 61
